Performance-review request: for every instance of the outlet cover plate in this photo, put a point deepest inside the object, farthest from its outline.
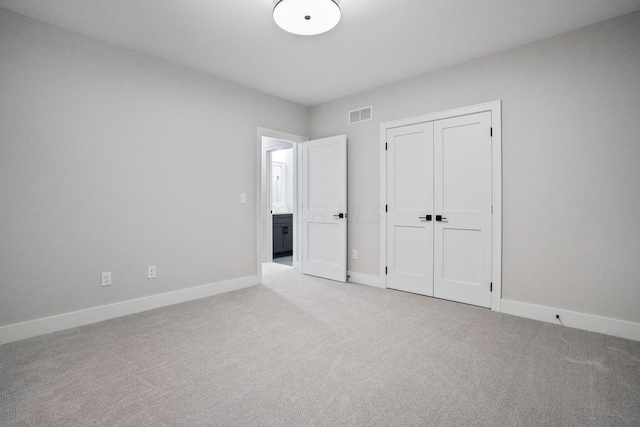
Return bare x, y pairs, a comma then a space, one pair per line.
105, 279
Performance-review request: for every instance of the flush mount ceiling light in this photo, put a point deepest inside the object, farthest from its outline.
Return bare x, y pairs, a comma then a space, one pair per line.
306, 17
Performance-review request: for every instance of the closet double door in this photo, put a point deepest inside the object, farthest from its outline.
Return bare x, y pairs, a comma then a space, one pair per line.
439, 208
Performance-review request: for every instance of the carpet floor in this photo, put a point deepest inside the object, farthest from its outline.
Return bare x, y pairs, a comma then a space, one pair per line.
302, 351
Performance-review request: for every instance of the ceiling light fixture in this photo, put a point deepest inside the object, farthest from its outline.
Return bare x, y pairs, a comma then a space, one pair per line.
306, 17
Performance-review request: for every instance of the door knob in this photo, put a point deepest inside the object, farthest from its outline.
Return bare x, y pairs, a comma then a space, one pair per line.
340, 215
441, 218
426, 217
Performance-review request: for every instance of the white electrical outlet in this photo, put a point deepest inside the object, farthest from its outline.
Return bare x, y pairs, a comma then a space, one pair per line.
151, 272
105, 279
354, 254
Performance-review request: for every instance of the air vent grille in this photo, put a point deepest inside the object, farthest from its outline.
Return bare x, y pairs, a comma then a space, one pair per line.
360, 115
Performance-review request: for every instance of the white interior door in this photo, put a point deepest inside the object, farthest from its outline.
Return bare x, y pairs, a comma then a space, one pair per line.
439, 200
410, 208
324, 211
462, 239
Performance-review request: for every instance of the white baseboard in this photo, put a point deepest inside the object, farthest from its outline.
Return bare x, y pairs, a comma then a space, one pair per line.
365, 279
46, 325
572, 319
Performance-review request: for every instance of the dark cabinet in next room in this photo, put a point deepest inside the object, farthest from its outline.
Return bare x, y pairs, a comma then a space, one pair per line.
282, 235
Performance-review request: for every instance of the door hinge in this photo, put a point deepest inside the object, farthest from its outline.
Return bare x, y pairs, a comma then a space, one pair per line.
386, 208
386, 270
386, 146
490, 131
491, 287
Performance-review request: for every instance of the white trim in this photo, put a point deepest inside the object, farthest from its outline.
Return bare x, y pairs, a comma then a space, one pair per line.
496, 194
46, 325
383, 203
572, 319
365, 279
495, 107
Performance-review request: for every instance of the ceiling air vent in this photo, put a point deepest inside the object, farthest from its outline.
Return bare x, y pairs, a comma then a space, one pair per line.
360, 115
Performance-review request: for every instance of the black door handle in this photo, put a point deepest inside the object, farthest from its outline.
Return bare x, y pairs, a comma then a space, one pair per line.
440, 218
426, 217
340, 215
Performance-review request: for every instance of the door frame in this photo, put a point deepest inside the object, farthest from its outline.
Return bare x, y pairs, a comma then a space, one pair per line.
495, 107
261, 211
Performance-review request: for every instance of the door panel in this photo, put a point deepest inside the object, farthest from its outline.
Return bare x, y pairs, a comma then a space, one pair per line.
410, 251
410, 175
461, 168
462, 195
324, 194
462, 256
322, 243
320, 165
410, 197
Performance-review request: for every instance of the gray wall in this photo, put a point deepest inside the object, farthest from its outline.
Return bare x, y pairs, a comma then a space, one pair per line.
113, 161
571, 162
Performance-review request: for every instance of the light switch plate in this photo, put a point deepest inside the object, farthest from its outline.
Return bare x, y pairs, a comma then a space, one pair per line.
243, 197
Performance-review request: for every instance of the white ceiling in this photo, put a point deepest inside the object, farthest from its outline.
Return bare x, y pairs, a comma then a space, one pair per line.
376, 42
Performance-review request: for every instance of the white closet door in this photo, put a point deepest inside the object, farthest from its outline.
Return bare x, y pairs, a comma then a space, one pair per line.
410, 203
324, 210
462, 196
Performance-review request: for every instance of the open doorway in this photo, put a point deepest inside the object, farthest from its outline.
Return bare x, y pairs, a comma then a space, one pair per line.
282, 204
278, 184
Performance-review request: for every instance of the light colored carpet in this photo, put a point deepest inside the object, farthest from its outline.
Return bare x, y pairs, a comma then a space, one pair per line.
301, 351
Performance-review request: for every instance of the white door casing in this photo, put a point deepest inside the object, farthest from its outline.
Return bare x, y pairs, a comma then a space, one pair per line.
410, 208
324, 212
465, 169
